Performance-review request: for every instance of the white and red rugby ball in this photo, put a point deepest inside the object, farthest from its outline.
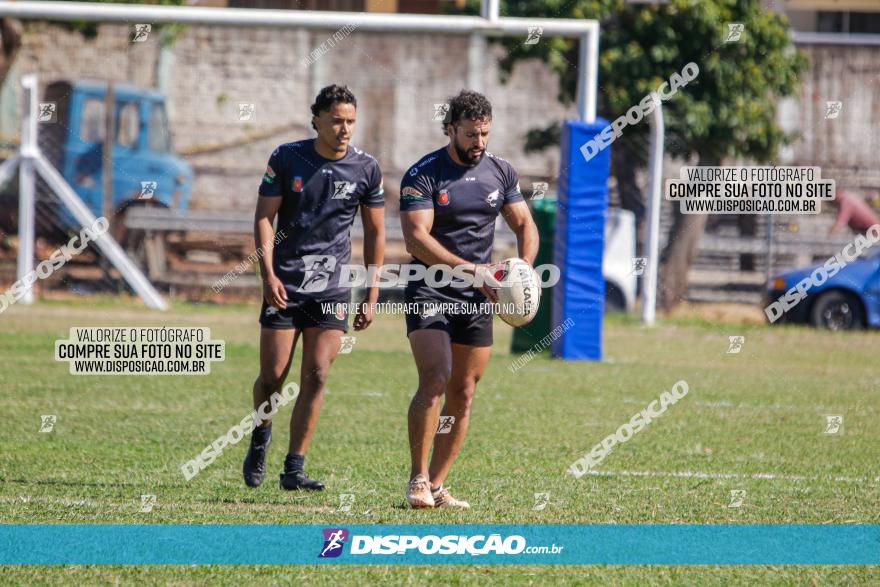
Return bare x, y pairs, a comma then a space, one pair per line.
519, 293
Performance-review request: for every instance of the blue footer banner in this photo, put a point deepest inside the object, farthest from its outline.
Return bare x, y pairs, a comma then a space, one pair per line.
444, 544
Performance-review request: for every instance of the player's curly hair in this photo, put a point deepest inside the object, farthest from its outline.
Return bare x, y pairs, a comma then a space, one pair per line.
329, 96
467, 104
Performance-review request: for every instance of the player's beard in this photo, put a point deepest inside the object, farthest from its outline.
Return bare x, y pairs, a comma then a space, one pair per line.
464, 156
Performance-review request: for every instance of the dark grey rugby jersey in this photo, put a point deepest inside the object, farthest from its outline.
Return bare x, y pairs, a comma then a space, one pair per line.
466, 201
320, 200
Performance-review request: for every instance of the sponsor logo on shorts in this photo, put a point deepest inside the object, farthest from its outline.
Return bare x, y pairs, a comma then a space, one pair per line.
270, 311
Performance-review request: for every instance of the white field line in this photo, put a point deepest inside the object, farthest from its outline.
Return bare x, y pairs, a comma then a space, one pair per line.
727, 404
697, 475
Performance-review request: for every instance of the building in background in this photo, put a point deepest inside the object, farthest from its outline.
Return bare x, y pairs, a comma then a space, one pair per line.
832, 16
403, 6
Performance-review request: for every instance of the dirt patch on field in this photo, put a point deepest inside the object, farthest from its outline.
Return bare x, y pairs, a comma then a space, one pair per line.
721, 313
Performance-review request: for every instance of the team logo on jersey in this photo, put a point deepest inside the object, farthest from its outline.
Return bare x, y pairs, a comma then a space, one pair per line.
492, 198
318, 270
342, 190
297, 184
269, 176
443, 198
411, 193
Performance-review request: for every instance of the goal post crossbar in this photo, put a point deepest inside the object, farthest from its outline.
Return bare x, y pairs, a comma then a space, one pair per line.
492, 25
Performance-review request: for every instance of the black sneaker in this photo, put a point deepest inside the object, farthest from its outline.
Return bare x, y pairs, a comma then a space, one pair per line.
254, 467
298, 480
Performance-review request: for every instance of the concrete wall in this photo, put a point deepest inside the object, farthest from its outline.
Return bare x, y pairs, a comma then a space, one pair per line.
398, 79
845, 147
210, 70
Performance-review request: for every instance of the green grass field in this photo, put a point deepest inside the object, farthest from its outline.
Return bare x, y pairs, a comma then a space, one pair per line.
758, 412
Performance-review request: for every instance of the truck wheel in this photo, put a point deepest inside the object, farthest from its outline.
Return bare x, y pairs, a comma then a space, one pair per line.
837, 310
131, 241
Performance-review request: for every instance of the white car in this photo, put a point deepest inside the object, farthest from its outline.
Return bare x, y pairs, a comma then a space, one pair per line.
617, 260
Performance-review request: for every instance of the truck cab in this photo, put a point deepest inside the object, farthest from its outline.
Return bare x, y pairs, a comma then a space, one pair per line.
145, 168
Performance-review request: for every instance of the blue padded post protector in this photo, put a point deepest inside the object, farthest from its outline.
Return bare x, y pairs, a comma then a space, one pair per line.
579, 242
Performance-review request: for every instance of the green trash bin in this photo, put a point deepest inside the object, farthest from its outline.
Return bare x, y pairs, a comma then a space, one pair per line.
525, 337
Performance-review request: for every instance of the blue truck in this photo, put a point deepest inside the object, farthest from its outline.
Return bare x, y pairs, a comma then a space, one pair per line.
145, 169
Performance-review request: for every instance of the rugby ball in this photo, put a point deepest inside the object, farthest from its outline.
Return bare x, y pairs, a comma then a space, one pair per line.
519, 291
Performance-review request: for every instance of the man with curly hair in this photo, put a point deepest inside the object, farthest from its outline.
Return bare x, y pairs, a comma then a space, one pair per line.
449, 201
315, 187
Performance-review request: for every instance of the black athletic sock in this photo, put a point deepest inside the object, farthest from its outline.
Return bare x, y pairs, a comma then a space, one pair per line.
261, 435
294, 463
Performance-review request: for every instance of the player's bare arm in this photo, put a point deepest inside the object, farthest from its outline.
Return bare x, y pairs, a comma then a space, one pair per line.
519, 219
374, 254
264, 239
416, 226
